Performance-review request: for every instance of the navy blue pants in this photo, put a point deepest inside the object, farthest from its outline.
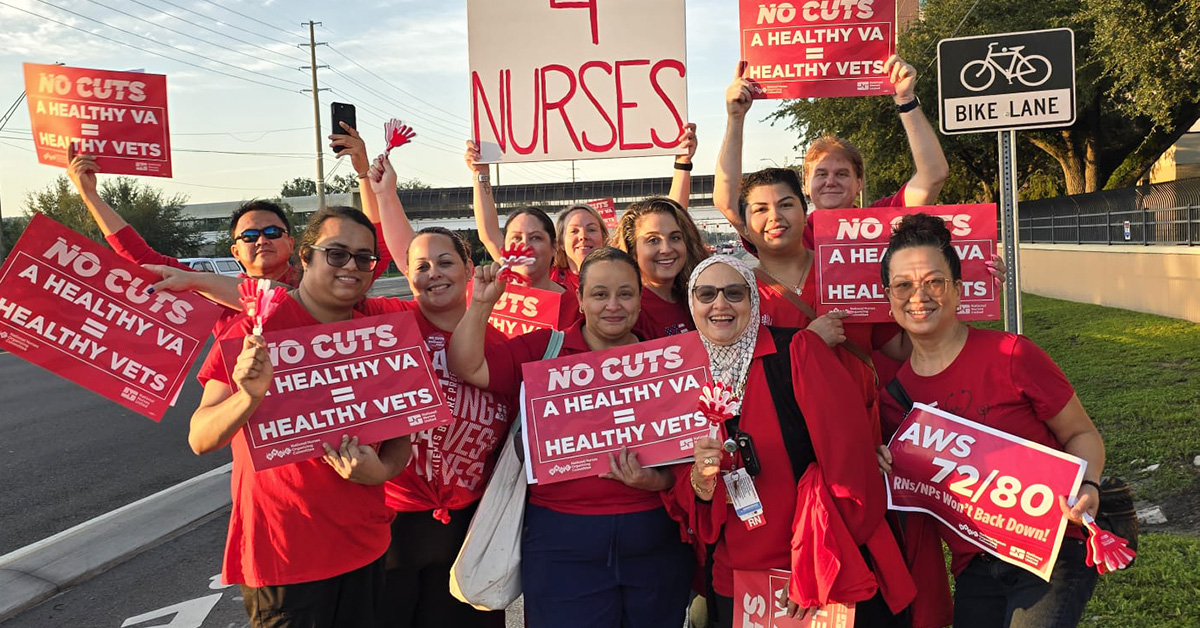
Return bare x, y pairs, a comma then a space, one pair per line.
604, 571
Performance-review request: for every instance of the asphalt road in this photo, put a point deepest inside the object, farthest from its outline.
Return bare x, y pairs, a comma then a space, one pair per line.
70, 455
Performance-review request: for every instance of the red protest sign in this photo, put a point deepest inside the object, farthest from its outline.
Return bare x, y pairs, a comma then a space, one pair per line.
818, 49
607, 208
522, 309
81, 312
367, 377
581, 408
849, 244
995, 490
754, 598
120, 117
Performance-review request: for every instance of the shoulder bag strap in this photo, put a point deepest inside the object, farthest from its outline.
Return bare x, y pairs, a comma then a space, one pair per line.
808, 311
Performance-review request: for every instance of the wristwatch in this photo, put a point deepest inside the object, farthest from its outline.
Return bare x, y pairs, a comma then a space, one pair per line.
909, 106
482, 178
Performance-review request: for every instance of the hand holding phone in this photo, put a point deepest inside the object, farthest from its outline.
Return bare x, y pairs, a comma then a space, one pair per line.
342, 112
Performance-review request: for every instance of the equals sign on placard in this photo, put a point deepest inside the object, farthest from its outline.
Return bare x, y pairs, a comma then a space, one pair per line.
814, 54
89, 130
343, 394
623, 416
94, 328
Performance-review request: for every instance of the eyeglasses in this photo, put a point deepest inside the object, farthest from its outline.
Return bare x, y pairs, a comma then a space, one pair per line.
250, 236
338, 257
934, 287
734, 293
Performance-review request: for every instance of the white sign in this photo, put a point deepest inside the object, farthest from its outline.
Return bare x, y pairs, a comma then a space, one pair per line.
576, 79
1007, 81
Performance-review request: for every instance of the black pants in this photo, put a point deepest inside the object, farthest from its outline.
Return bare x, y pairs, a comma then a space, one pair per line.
418, 573
351, 600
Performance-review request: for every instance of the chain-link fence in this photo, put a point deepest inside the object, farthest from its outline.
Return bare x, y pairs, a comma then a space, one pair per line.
1161, 213
456, 202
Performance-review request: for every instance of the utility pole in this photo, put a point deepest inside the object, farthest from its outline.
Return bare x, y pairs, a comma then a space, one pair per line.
312, 50
572, 171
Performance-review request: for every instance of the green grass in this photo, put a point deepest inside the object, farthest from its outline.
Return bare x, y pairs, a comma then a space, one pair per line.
1138, 375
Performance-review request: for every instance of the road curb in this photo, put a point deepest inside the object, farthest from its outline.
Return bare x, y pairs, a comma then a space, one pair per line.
36, 572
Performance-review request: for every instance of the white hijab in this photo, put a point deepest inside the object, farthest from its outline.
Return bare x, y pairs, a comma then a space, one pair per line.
730, 363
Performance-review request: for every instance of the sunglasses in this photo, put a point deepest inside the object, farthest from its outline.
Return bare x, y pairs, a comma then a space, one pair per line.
734, 293
338, 257
935, 288
250, 236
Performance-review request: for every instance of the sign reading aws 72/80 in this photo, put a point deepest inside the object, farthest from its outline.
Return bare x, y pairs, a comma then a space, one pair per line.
1007, 81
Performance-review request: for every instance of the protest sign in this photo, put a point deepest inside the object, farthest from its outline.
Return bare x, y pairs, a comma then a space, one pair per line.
818, 49
995, 490
368, 378
849, 244
576, 79
522, 309
119, 117
754, 598
644, 396
78, 310
607, 208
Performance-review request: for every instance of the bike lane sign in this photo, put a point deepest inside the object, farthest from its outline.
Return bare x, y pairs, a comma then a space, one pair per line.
1007, 81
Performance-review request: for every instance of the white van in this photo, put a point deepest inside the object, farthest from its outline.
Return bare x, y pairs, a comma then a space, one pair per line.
219, 265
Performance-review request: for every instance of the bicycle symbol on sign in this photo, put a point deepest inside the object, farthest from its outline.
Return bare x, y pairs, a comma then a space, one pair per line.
1031, 70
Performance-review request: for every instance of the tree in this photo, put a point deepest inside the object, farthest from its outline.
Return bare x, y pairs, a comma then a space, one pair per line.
1138, 91
340, 184
158, 218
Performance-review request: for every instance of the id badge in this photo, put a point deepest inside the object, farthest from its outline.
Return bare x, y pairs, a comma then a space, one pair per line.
740, 487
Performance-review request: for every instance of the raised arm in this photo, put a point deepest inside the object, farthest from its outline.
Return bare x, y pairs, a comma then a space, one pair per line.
221, 289
350, 144
727, 185
932, 170
222, 411
397, 230
487, 221
681, 179
465, 355
82, 170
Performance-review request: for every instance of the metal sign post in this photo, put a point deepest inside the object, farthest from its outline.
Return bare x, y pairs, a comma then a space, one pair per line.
1010, 234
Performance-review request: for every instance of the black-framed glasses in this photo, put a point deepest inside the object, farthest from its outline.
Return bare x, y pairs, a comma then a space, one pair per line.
250, 236
734, 292
903, 290
338, 257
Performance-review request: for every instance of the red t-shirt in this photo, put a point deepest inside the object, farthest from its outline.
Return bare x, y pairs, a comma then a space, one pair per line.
450, 464
1001, 380
568, 310
585, 496
660, 318
299, 522
565, 277
775, 309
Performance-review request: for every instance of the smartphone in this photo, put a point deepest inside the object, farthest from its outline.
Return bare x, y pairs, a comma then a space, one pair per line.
342, 112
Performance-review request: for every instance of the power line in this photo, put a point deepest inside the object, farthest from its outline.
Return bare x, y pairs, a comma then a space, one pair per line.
151, 52
217, 32
169, 29
253, 19
458, 118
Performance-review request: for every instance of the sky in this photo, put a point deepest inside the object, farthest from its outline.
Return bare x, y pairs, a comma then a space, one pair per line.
240, 126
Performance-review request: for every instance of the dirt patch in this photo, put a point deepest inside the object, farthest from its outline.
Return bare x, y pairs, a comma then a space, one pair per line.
1182, 511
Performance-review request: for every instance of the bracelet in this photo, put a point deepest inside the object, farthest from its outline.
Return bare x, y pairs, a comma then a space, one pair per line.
679, 165
700, 489
909, 106
364, 175
1090, 483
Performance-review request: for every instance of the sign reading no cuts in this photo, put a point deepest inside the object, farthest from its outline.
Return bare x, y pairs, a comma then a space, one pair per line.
1007, 81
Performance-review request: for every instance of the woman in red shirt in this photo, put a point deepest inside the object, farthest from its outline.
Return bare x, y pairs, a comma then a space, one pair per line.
804, 444
580, 230
306, 540
1006, 382
664, 240
595, 551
